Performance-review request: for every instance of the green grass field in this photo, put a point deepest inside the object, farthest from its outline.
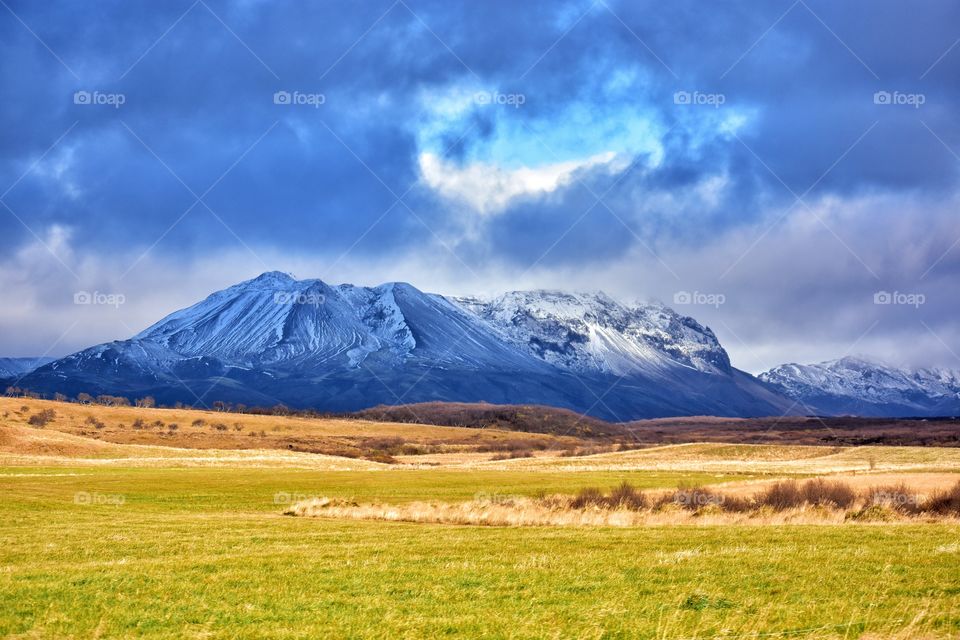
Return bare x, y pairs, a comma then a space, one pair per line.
204, 552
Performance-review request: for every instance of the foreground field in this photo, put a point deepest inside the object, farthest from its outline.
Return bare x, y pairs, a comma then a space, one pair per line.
205, 553
114, 540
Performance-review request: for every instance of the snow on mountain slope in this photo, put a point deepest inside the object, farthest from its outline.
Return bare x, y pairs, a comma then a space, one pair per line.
270, 319
593, 332
275, 320
306, 343
15, 367
858, 385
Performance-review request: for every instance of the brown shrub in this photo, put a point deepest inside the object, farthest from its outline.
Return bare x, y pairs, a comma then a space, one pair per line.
512, 455
829, 493
898, 497
588, 451
379, 456
587, 497
42, 418
513, 444
693, 498
625, 496
418, 449
946, 502
782, 495
91, 420
382, 444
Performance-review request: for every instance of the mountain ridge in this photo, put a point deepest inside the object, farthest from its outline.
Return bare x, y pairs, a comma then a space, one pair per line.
14, 367
343, 347
858, 385
309, 344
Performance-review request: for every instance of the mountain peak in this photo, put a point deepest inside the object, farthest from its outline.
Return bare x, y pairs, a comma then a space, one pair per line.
270, 277
302, 342
594, 332
863, 385
859, 361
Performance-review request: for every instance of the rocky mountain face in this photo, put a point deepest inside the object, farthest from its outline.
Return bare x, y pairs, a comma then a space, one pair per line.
858, 386
309, 344
595, 333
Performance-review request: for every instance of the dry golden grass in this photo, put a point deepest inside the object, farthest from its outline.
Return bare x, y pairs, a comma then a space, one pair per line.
527, 512
749, 458
195, 429
627, 507
923, 484
26, 446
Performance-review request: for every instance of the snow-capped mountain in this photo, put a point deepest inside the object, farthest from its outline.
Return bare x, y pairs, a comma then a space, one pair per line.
594, 332
276, 320
16, 367
306, 343
859, 386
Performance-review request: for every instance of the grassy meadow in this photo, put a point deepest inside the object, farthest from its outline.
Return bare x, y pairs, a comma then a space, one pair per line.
97, 545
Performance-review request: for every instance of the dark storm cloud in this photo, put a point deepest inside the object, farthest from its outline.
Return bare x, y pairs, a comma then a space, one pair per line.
199, 97
198, 80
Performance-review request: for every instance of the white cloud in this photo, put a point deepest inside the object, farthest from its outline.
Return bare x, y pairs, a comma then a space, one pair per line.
489, 189
794, 294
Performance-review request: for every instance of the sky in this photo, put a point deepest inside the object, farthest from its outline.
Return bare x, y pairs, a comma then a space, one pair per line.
783, 171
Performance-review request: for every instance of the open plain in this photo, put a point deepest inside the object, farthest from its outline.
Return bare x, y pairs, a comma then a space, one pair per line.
112, 531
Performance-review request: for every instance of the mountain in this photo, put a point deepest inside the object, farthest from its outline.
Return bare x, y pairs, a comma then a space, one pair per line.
858, 386
593, 332
306, 343
12, 368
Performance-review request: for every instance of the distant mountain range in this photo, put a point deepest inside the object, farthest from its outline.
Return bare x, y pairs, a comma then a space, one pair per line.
857, 386
16, 367
305, 343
